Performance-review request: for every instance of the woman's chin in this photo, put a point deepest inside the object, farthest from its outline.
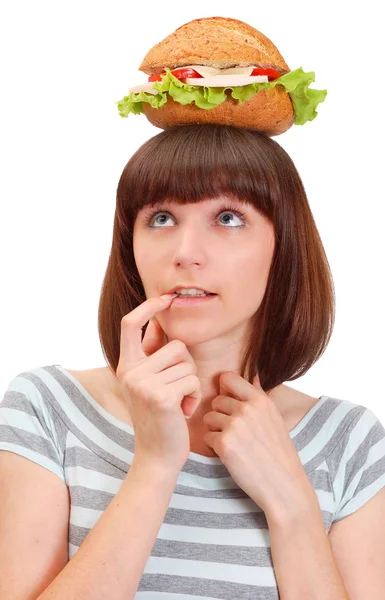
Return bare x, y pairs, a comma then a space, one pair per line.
190, 339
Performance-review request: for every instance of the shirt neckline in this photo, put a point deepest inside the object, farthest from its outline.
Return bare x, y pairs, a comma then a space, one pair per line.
211, 460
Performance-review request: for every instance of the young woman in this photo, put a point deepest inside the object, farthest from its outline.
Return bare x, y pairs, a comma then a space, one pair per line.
135, 500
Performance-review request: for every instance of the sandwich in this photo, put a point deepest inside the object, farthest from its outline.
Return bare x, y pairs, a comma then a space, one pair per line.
221, 70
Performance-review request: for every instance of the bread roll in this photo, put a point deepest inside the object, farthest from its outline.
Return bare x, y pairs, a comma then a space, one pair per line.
270, 111
222, 43
215, 42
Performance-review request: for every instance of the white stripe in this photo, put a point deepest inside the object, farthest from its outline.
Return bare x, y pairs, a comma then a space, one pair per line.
149, 595
325, 498
230, 506
92, 480
71, 550
24, 386
87, 517
25, 422
376, 452
258, 576
41, 460
73, 442
84, 517
79, 420
205, 483
253, 538
356, 436
362, 497
321, 439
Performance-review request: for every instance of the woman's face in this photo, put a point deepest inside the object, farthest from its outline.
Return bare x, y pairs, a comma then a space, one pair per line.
207, 246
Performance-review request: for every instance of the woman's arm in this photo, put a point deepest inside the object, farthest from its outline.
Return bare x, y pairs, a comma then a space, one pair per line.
111, 560
304, 564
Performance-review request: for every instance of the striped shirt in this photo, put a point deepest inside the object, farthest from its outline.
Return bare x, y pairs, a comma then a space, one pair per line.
214, 540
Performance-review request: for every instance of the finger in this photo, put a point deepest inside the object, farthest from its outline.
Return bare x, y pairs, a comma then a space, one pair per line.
131, 330
228, 385
154, 338
216, 421
190, 403
222, 404
234, 386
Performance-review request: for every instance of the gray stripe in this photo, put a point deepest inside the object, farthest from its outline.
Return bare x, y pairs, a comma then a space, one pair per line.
212, 520
113, 466
313, 428
78, 534
211, 588
231, 555
19, 401
315, 424
358, 459
372, 473
208, 520
344, 429
117, 435
80, 457
30, 441
60, 428
84, 497
127, 440
56, 407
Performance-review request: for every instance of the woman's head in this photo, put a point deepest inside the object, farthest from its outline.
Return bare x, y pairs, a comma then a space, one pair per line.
275, 290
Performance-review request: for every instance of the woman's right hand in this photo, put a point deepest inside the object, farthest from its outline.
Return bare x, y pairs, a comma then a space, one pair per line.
159, 384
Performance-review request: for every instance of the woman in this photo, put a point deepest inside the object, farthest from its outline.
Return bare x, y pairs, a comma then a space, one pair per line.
203, 170
235, 221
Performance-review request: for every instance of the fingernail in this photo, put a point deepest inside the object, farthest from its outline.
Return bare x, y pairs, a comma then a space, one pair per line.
168, 296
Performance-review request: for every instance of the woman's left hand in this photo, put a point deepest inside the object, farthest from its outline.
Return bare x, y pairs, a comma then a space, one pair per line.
248, 433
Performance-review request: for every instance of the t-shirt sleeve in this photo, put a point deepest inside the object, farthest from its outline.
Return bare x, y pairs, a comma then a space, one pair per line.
359, 461
27, 426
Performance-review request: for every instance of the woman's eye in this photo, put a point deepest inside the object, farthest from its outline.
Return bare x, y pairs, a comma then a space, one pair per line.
238, 215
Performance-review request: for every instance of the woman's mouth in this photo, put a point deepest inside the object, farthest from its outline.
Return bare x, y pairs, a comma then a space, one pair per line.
186, 301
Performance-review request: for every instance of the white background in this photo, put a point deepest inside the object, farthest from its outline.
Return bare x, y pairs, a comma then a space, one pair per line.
64, 146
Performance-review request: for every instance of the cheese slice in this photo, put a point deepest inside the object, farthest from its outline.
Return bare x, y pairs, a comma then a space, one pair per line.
144, 87
226, 80
206, 71
211, 77
201, 69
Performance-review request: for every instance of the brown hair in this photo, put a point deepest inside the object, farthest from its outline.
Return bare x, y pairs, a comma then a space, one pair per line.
191, 163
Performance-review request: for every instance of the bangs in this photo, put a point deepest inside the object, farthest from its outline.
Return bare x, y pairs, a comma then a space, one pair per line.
192, 163
294, 320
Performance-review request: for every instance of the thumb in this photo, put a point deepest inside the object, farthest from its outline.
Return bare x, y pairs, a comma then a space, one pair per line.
190, 403
256, 382
154, 338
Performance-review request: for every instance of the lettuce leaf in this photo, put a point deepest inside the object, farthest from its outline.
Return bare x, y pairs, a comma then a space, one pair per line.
296, 83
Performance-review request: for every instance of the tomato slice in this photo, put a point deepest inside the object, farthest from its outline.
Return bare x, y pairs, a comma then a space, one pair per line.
184, 72
181, 74
271, 73
156, 77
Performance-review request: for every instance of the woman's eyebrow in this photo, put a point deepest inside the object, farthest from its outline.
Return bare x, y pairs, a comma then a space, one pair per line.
240, 201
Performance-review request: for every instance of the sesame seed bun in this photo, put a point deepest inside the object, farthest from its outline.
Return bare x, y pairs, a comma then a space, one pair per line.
270, 111
222, 43
216, 42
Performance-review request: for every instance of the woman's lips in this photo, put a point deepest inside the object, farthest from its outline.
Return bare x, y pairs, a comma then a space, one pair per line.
192, 300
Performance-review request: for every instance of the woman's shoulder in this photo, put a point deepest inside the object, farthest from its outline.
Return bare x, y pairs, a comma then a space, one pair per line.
99, 384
